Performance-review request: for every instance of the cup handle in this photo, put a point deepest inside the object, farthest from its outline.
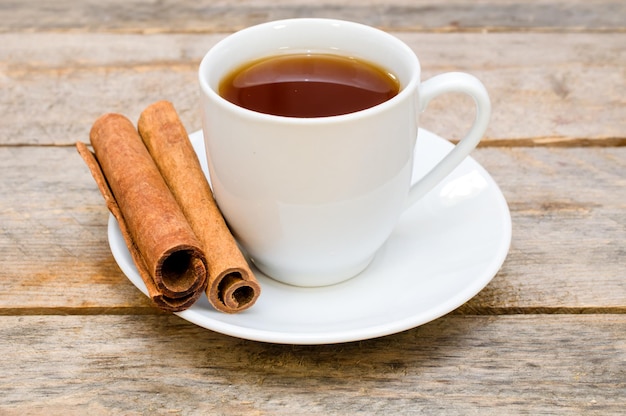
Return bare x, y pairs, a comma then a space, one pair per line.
440, 84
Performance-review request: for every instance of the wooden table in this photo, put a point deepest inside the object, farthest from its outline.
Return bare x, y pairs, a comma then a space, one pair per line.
546, 336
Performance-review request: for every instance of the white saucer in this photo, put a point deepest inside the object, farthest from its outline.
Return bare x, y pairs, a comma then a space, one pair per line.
444, 251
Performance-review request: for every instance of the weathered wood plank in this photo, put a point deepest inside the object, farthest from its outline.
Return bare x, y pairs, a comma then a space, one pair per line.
214, 16
567, 253
569, 230
565, 364
53, 240
568, 92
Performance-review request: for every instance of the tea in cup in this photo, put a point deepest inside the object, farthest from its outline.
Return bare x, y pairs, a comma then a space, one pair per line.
307, 85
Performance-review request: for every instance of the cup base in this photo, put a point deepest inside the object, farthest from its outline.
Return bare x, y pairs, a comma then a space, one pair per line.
312, 278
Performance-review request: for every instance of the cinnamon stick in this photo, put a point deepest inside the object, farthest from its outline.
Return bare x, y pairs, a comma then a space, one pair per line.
163, 246
232, 287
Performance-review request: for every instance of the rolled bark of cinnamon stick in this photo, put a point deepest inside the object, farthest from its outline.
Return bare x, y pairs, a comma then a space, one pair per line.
163, 246
232, 287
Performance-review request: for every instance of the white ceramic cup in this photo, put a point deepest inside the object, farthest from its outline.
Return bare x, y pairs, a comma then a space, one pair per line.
311, 200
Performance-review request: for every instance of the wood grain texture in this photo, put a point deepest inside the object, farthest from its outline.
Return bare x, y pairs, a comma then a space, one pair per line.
226, 15
546, 336
140, 365
54, 237
567, 254
569, 225
569, 92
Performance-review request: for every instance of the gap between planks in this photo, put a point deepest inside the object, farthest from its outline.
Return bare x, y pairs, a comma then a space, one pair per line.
466, 309
562, 142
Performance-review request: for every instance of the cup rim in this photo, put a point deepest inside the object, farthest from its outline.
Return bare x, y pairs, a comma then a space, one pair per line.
404, 91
